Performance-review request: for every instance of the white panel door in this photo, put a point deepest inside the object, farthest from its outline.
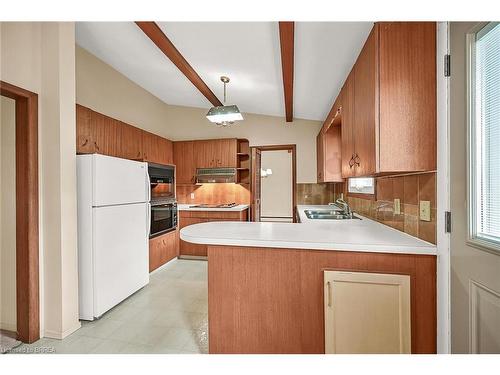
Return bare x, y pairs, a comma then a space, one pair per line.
119, 181
121, 254
367, 313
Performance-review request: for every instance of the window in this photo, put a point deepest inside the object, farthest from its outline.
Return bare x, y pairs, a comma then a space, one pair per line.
484, 136
359, 185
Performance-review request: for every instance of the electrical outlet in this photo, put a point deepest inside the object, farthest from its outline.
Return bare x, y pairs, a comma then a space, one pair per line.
192, 195
397, 206
425, 210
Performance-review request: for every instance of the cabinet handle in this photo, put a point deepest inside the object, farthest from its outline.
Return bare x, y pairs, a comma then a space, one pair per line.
329, 290
356, 160
85, 143
351, 162
96, 146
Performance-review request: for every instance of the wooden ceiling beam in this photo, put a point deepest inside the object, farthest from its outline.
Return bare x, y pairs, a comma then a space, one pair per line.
287, 30
158, 37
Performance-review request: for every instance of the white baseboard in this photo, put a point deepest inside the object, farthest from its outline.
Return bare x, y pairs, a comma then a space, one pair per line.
61, 335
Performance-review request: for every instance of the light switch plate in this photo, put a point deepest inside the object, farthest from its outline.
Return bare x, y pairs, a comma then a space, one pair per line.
397, 206
425, 210
192, 195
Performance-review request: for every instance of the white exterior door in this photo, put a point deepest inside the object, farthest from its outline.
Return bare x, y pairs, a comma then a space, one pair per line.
121, 253
119, 181
475, 271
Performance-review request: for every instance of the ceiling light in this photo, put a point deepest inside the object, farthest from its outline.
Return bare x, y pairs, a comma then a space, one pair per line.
224, 115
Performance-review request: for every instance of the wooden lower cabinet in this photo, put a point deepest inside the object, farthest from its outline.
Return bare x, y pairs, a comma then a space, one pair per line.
269, 300
163, 249
187, 218
367, 313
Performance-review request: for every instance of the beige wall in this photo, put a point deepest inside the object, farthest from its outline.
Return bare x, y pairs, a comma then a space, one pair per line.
105, 90
40, 57
276, 189
7, 214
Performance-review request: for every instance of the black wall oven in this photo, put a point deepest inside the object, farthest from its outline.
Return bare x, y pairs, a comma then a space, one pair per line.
163, 204
163, 217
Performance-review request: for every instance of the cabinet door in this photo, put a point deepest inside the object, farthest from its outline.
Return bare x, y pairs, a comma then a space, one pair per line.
108, 134
85, 133
347, 95
332, 155
184, 160
320, 157
365, 123
226, 150
131, 142
407, 61
367, 313
162, 249
165, 150
187, 248
205, 154
150, 147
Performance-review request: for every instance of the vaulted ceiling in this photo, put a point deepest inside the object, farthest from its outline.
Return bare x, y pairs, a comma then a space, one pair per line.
247, 52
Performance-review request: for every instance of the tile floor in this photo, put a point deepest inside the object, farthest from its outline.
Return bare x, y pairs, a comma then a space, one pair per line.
170, 315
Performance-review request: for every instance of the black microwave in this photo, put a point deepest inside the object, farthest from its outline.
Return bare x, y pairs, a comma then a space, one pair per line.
162, 181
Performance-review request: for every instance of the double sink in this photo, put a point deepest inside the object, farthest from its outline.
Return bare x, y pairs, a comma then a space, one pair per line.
328, 215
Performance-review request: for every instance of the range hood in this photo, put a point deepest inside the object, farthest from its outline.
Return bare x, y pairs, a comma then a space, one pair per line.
215, 175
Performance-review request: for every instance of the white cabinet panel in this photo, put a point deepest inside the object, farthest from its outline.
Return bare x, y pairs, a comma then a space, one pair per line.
367, 313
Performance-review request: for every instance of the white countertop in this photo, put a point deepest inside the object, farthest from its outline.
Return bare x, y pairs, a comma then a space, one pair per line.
190, 207
348, 235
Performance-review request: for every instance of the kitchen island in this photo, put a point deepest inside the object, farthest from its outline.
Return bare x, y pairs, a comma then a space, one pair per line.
266, 280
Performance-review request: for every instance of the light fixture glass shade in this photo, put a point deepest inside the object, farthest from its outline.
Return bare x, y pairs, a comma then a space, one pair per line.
224, 114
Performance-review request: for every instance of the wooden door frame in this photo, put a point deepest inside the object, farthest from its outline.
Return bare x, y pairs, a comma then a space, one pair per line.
293, 149
27, 253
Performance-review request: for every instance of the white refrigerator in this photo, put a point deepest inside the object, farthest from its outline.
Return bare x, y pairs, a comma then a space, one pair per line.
113, 231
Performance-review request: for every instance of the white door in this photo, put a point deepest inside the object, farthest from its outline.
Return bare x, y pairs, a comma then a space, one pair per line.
120, 253
475, 269
119, 181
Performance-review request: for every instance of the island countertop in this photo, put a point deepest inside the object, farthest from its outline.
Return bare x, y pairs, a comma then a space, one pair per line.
363, 235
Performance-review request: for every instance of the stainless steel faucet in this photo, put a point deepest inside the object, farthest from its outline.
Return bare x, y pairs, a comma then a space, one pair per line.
345, 207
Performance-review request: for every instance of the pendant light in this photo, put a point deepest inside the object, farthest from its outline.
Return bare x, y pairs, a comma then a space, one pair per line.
224, 115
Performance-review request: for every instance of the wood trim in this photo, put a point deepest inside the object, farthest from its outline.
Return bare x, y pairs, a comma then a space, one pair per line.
293, 150
287, 30
27, 253
153, 31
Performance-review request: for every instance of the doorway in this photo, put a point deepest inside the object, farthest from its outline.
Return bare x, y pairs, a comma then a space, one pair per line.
19, 246
274, 180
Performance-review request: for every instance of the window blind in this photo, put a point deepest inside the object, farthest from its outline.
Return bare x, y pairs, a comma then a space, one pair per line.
487, 132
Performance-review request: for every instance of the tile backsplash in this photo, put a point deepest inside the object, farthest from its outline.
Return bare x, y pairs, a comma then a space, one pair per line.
315, 193
410, 190
213, 193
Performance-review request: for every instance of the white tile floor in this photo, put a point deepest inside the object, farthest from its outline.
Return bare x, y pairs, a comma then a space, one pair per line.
170, 315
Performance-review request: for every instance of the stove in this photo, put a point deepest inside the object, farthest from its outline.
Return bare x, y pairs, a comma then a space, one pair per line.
221, 205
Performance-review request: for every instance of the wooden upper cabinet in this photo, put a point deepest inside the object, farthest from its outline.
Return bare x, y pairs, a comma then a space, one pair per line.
226, 153
407, 75
389, 102
184, 160
85, 133
365, 123
347, 136
107, 134
165, 151
131, 142
320, 157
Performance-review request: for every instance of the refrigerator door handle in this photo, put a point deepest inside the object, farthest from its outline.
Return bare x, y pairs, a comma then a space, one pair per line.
148, 218
148, 185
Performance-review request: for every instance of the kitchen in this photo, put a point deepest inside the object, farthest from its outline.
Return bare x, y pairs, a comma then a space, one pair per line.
173, 252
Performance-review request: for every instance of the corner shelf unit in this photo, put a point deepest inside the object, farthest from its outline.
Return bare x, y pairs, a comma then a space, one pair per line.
243, 161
